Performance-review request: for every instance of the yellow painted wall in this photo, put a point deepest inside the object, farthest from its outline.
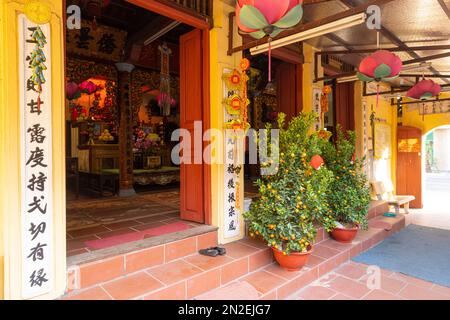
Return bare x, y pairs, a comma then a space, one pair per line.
411, 117
2, 94
308, 77
388, 113
10, 226
220, 60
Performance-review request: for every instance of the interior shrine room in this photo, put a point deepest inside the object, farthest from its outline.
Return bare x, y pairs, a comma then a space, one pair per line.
123, 102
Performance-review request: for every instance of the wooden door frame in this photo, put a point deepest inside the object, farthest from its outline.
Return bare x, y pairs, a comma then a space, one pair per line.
204, 26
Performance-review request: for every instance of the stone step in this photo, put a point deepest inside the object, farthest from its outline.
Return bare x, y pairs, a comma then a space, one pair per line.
176, 271
274, 283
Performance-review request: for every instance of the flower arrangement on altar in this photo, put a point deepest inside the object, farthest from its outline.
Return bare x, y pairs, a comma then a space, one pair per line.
147, 143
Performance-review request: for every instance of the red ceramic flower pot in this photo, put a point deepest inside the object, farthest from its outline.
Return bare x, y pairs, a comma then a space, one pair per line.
344, 235
293, 262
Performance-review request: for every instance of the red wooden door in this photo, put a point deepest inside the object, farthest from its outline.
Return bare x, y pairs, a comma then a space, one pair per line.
191, 93
409, 164
289, 84
345, 105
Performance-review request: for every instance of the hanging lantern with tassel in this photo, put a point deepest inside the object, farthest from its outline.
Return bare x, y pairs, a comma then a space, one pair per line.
424, 90
380, 66
261, 18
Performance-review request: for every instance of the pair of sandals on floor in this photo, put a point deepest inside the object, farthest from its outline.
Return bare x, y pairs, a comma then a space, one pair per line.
213, 252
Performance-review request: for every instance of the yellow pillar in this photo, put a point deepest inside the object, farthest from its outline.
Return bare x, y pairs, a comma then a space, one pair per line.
10, 159
219, 60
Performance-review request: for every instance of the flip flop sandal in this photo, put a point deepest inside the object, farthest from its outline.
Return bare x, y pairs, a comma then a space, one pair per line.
211, 252
222, 251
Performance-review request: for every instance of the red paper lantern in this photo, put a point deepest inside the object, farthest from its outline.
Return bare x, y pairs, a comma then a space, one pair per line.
424, 90
382, 65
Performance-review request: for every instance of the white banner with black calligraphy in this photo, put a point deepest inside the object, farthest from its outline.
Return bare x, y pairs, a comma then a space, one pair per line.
233, 170
36, 158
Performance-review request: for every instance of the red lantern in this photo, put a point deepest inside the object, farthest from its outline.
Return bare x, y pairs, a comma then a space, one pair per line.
260, 18
317, 162
382, 65
424, 90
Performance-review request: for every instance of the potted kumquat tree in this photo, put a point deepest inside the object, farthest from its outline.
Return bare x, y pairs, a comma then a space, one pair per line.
349, 192
295, 197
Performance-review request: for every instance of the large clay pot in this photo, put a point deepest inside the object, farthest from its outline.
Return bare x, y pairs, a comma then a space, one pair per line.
344, 235
293, 262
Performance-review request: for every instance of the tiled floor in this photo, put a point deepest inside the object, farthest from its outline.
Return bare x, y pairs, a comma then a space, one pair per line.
76, 239
101, 218
354, 281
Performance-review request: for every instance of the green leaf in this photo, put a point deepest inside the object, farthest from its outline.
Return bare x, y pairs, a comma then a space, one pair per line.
258, 34
291, 19
382, 71
363, 77
252, 18
276, 32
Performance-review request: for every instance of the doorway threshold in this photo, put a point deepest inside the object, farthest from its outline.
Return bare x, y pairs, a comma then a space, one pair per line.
130, 247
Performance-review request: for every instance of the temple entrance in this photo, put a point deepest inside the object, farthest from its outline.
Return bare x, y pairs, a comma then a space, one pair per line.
133, 77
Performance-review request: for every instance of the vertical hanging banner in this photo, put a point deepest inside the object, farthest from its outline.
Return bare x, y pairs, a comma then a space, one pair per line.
317, 93
235, 111
36, 157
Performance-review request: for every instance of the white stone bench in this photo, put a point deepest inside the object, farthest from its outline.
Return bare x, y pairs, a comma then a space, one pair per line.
382, 193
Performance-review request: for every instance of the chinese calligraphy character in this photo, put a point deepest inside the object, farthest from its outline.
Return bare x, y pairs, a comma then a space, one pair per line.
231, 198
38, 278
107, 43
231, 226
36, 230
231, 212
83, 38
37, 157
36, 205
231, 184
37, 183
36, 133
37, 253
35, 106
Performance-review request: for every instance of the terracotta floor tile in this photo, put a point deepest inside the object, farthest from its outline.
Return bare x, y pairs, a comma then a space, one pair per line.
173, 272
101, 271
144, 259
147, 226
234, 270
441, 289
114, 233
234, 291
207, 263
259, 244
260, 259
122, 225
207, 240
314, 261
237, 250
179, 249
388, 284
325, 252
412, 280
351, 271
381, 295
202, 283
280, 272
413, 292
88, 231
348, 287
175, 292
264, 281
333, 244
95, 293
316, 293
132, 286
341, 296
